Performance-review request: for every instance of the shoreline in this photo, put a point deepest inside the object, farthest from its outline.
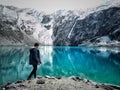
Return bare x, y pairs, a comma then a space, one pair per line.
87, 45
58, 83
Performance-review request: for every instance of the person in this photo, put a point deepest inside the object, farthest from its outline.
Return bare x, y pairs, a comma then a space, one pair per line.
34, 59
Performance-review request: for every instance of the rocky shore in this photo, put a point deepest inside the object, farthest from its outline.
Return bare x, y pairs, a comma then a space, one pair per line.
57, 83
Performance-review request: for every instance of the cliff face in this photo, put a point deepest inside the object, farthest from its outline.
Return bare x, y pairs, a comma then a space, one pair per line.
95, 26
101, 26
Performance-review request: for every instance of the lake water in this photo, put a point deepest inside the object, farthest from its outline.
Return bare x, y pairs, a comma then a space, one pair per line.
100, 64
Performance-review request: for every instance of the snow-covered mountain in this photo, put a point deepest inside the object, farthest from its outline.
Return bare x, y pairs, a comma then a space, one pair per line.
97, 26
100, 25
24, 26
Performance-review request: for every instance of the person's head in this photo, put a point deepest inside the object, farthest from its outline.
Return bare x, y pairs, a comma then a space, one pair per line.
36, 45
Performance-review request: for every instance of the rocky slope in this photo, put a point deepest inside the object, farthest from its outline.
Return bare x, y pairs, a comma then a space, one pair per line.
98, 26
51, 83
101, 27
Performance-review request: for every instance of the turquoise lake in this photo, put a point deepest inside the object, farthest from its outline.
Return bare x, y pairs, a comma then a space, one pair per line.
100, 64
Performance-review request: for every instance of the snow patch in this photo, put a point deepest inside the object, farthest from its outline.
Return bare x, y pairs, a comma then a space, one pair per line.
103, 40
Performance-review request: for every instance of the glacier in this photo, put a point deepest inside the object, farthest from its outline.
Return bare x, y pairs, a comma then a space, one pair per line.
25, 26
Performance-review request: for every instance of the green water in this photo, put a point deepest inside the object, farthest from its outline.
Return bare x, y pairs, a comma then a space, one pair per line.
100, 64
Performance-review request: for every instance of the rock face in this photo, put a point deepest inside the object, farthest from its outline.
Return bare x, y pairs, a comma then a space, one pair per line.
103, 24
64, 22
100, 25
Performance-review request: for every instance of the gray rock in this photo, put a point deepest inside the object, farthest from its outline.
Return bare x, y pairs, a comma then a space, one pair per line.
29, 81
39, 77
58, 77
46, 19
76, 78
40, 81
96, 86
21, 86
10, 88
86, 80
19, 81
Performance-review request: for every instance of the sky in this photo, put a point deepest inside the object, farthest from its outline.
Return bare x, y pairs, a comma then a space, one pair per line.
53, 5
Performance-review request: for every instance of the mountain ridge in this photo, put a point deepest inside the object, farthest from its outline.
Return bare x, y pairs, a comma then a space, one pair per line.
21, 26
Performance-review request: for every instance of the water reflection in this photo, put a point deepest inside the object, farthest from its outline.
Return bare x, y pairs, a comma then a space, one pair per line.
100, 64
12, 63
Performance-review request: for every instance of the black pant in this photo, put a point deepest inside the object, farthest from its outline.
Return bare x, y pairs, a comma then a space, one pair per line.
33, 72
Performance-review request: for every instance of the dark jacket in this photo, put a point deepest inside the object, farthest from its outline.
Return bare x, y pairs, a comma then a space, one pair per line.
34, 56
